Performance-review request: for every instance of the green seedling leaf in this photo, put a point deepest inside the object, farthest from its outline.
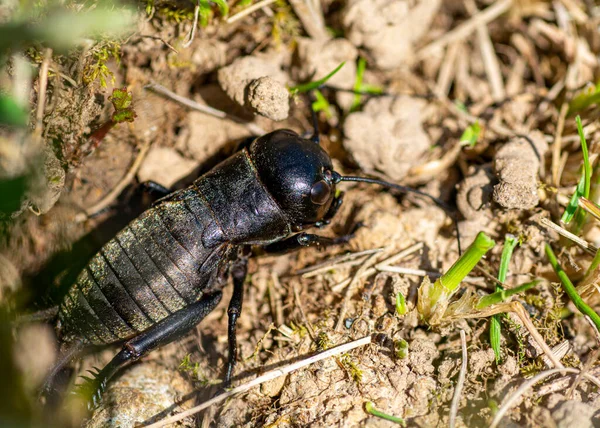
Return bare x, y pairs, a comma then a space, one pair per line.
11, 113
570, 289
121, 101
502, 295
401, 348
370, 408
400, 304
471, 135
305, 87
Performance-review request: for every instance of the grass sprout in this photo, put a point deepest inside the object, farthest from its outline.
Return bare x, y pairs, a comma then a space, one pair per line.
316, 84
471, 134
434, 298
510, 243
583, 186
370, 408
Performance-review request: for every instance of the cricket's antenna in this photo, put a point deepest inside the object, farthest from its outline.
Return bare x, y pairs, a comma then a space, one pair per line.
337, 178
315, 136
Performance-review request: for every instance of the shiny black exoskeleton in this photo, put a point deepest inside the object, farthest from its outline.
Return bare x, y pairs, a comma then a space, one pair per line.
163, 273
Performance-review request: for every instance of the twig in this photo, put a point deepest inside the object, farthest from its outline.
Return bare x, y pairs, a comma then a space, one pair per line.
43, 81
311, 16
350, 289
116, 191
159, 89
408, 271
557, 146
311, 331
510, 401
249, 10
194, 25
466, 28
273, 374
276, 298
488, 54
461, 381
589, 248
329, 264
518, 309
368, 272
167, 44
585, 370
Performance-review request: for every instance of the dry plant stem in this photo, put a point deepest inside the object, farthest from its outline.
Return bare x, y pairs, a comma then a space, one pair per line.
311, 331
350, 290
43, 81
273, 374
159, 89
556, 148
118, 189
404, 253
510, 401
488, 54
194, 26
562, 383
461, 381
520, 311
314, 270
589, 248
249, 10
585, 370
274, 291
466, 28
408, 271
311, 16
447, 70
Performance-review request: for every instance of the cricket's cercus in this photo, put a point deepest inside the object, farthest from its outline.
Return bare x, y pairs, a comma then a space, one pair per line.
162, 274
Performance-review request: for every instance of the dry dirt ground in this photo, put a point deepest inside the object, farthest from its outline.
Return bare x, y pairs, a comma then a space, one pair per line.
514, 73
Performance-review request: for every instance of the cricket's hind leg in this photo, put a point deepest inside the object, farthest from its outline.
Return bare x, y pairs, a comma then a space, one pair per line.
165, 331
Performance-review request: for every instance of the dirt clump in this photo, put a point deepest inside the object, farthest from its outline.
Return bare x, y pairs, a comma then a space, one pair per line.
387, 136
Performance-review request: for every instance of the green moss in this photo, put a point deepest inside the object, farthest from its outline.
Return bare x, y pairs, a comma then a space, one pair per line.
97, 68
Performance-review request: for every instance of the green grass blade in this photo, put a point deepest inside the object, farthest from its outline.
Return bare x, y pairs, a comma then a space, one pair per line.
370, 408
305, 87
502, 295
510, 243
583, 187
450, 281
360, 72
570, 289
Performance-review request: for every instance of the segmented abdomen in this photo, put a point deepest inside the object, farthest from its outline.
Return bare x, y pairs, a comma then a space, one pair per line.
157, 265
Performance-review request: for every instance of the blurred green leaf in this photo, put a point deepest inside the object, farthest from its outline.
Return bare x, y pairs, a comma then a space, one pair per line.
11, 113
60, 28
13, 192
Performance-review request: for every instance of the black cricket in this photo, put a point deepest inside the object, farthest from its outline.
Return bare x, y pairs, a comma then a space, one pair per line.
164, 272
